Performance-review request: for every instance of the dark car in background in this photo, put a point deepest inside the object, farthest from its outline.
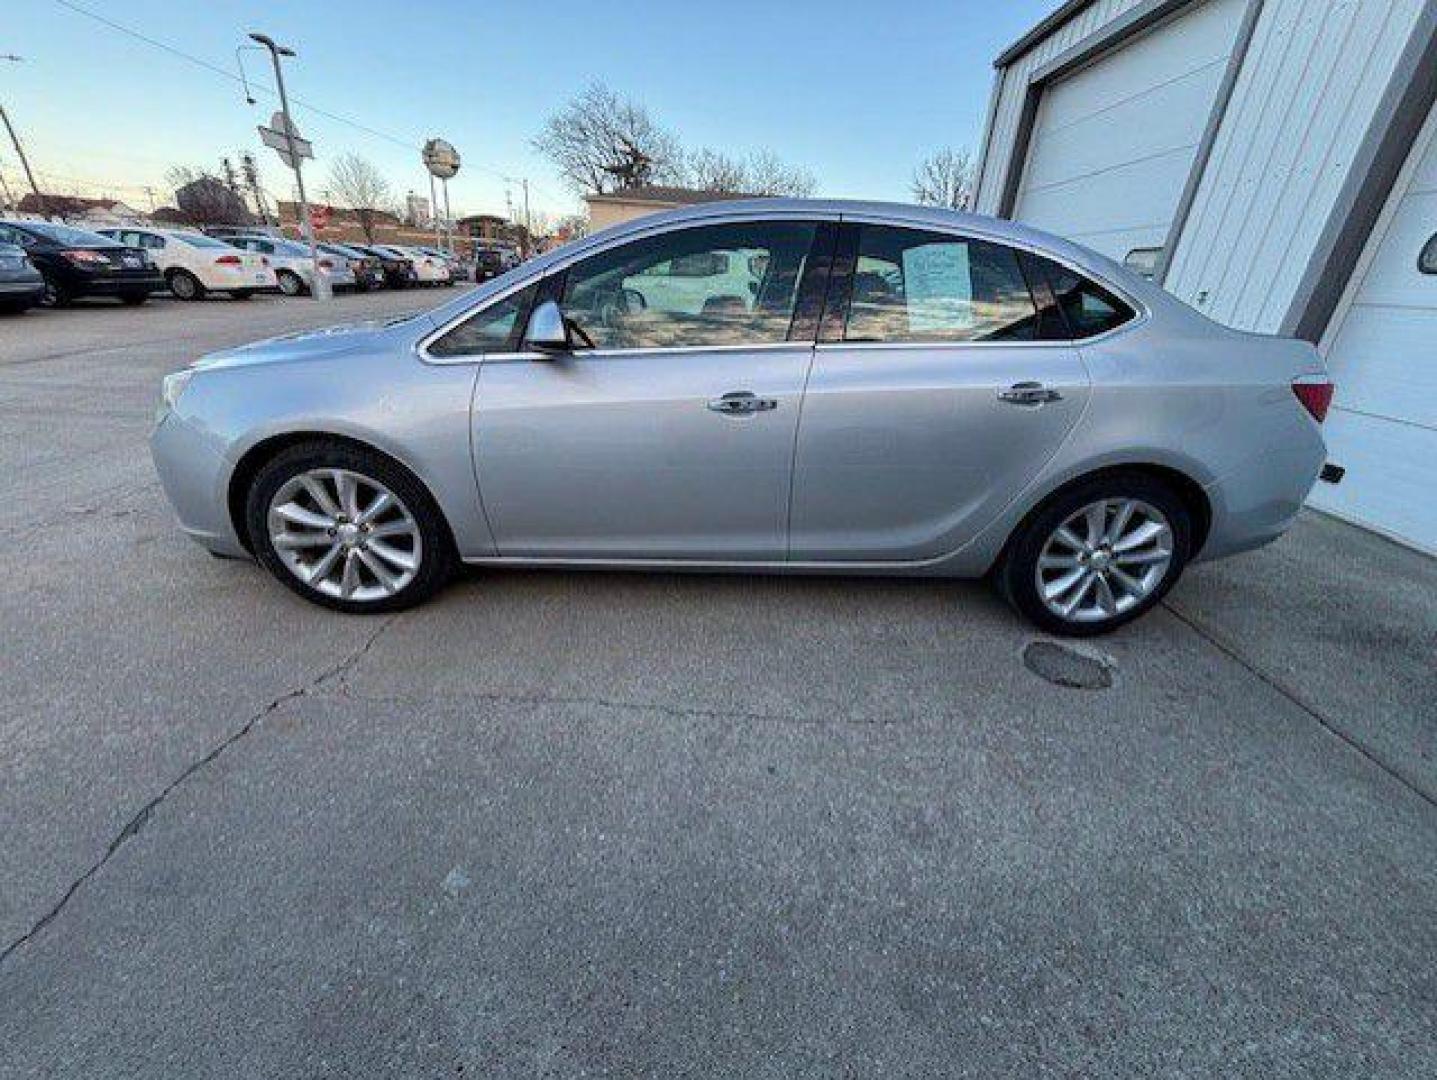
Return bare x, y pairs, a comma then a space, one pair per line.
76, 262
367, 269
21, 285
398, 271
489, 262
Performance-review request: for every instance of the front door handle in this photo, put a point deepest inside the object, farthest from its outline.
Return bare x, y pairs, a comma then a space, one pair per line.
742, 403
1028, 393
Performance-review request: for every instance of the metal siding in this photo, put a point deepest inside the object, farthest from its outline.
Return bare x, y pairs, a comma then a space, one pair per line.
1299, 112
1013, 88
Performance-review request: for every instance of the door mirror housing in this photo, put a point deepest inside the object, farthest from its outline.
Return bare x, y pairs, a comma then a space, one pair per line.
548, 329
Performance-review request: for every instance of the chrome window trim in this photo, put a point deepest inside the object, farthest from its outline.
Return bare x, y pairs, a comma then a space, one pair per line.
1141, 311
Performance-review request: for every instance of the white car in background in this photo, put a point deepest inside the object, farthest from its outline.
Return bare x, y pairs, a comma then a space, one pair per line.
428, 270
293, 267
195, 264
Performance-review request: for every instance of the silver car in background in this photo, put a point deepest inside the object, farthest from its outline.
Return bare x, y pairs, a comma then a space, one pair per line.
778, 386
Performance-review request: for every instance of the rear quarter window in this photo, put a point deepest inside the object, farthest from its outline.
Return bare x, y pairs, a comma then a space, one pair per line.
1088, 308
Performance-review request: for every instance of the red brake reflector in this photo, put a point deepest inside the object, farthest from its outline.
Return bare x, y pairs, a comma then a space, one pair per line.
1316, 397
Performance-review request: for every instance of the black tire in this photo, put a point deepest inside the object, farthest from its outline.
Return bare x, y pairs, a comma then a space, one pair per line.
134, 299
438, 558
1016, 575
290, 283
55, 294
241, 294
185, 285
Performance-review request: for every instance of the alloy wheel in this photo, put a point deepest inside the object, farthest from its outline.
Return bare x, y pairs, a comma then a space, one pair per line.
1104, 560
344, 534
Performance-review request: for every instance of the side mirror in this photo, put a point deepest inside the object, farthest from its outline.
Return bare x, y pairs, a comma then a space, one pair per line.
548, 331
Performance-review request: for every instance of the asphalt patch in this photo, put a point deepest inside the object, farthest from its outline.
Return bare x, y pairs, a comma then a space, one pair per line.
1063, 665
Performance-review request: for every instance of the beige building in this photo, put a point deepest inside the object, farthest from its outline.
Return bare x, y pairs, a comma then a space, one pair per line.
630, 203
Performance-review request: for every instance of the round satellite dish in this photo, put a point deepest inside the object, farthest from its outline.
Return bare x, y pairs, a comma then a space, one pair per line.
440, 158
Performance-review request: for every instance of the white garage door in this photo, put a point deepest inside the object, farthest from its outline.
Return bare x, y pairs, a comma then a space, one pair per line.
1113, 143
1382, 351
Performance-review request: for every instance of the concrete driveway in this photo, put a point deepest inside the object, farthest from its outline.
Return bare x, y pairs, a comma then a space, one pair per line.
608, 825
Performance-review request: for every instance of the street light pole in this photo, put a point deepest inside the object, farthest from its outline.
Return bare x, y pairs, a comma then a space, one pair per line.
319, 288
20, 150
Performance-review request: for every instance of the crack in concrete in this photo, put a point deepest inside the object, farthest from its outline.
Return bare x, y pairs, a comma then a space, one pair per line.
1231, 651
137, 823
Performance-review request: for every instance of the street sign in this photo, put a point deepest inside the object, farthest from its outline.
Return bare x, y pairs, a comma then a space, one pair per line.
278, 136
440, 158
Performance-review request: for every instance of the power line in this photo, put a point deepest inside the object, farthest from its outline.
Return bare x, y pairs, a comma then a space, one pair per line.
408, 144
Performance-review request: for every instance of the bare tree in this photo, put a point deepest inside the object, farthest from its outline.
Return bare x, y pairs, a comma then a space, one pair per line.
206, 199
362, 188
760, 174
711, 170
601, 142
945, 179
767, 175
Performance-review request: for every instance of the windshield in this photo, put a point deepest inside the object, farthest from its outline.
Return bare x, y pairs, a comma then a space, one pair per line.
63, 234
199, 240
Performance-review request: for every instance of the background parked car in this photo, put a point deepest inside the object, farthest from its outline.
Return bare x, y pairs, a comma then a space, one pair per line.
293, 267
77, 262
366, 268
457, 264
21, 285
195, 264
427, 269
398, 269
488, 263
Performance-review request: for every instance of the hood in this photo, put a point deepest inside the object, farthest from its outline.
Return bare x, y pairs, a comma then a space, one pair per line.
326, 342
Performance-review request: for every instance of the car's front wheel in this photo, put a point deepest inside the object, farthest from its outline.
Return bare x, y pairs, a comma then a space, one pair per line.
348, 528
1097, 555
290, 283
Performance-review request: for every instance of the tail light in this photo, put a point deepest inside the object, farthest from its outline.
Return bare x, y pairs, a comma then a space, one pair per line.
1316, 397
326, 264
229, 260
81, 257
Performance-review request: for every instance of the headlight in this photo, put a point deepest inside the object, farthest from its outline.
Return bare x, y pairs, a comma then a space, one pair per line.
171, 389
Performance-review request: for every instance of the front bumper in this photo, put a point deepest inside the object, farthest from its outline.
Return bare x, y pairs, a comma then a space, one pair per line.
195, 477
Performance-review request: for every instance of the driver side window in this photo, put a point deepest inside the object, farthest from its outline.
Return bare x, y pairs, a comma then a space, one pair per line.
714, 285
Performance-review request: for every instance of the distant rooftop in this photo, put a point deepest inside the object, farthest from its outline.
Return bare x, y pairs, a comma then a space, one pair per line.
660, 195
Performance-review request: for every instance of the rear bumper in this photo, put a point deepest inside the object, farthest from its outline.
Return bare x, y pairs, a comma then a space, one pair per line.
11, 291
195, 477
115, 284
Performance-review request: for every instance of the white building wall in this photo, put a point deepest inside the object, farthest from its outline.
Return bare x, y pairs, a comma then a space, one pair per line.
1302, 104
1013, 83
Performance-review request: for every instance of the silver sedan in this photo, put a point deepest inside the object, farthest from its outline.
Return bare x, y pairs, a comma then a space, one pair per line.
770, 386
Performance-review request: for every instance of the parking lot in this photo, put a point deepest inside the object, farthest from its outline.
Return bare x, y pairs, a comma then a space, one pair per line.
565, 824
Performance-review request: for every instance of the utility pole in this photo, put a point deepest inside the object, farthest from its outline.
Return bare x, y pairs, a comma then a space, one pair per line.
320, 289
20, 150
528, 223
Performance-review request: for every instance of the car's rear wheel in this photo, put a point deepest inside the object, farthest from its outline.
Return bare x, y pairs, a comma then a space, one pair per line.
55, 295
186, 286
348, 528
1097, 555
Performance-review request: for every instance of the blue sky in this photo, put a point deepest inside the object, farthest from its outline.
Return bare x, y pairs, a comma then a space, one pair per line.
857, 99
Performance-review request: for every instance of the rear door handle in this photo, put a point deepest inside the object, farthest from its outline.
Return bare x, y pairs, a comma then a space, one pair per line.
1028, 393
742, 403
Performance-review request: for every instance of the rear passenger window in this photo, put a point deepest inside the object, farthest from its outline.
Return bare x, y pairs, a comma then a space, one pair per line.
914, 286
1088, 308
1427, 261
